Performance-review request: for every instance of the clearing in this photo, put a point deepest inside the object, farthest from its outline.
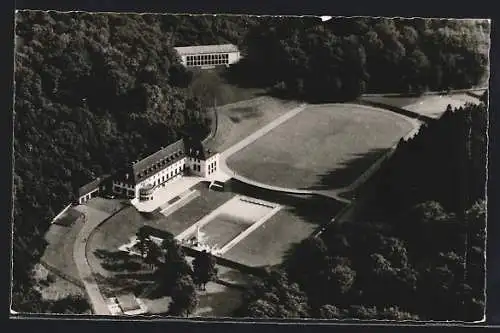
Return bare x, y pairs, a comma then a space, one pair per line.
322, 148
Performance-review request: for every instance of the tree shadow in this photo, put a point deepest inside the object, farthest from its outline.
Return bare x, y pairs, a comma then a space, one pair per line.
395, 109
118, 261
348, 171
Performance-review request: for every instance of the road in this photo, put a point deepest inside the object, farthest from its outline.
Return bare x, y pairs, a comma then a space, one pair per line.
94, 218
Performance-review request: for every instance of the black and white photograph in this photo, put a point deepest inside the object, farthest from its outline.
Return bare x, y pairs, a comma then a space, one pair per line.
237, 167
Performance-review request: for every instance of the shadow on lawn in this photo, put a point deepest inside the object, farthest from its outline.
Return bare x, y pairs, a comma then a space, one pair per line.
118, 261
348, 171
314, 209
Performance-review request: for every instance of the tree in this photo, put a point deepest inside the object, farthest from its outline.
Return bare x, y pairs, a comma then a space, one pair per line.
143, 242
184, 297
204, 269
173, 268
275, 296
153, 254
329, 311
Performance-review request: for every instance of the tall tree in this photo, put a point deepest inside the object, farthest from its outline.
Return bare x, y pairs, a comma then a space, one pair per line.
204, 269
184, 297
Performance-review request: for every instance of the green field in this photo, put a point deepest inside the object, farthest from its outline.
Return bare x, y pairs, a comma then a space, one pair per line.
298, 218
59, 251
107, 238
239, 120
324, 147
399, 102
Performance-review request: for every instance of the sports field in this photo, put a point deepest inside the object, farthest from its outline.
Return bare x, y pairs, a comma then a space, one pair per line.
298, 218
323, 147
435, 106
228, 221
222, 229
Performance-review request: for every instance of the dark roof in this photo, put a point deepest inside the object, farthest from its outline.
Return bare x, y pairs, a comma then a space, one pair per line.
157, 161
201, 49
196, 149
89, 187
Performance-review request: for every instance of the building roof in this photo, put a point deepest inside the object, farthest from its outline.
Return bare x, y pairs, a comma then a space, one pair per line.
93, 185
157, 161
128, 302
197, 149
202, 49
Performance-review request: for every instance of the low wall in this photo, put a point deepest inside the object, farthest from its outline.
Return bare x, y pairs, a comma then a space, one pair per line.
181, 202
61, 213
63, 275
430, 93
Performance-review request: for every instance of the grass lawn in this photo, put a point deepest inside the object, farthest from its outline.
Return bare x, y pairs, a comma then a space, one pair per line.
106, 205
217, 301
102, 248
222, 229
211, 82
435, 106
267, 245
59, 251
297, 220
323, 147
53, 287
239, 120
399, 102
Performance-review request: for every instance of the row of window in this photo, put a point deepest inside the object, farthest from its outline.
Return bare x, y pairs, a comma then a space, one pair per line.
212, 167
208, 62
121, 184
129, 193
169, 175
200, 57
160, 164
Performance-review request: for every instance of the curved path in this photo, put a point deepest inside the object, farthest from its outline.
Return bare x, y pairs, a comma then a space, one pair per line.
332, 194
93, 218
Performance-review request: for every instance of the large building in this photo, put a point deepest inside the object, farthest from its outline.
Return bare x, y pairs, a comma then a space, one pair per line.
208, 56
141, 178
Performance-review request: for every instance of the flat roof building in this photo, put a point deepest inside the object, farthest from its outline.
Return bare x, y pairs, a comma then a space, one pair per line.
208, 56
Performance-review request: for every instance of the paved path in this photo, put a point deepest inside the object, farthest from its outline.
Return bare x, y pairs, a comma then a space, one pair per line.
94, 217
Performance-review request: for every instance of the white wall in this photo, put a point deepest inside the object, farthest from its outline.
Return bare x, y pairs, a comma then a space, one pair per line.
156, 179
84, 198
234, 57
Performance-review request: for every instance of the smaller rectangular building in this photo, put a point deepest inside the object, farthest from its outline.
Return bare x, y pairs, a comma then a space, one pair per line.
207, 56
91, 190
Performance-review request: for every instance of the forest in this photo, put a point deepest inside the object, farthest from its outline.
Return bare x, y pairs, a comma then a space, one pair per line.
95, 91
417, 252
342, 58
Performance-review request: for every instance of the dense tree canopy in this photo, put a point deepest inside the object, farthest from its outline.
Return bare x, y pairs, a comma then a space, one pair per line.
92, 92
95, 91
417, 250
342, 58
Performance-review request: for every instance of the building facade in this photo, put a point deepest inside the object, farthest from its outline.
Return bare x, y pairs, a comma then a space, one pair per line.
209, 56
91, 190
143, 177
